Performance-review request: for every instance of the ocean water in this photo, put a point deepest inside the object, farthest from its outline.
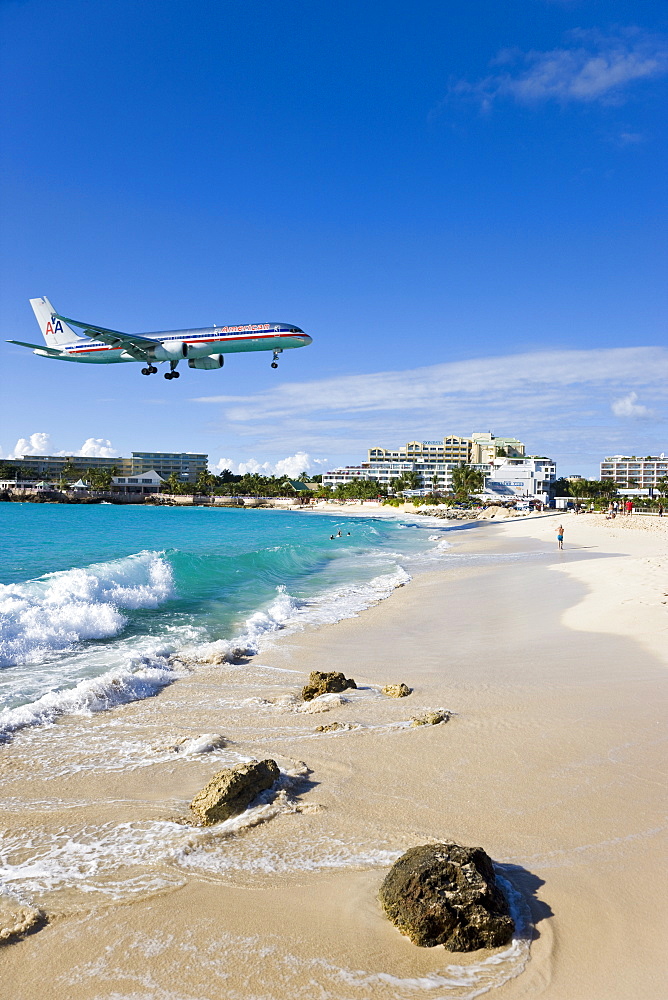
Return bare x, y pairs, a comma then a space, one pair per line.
97, 602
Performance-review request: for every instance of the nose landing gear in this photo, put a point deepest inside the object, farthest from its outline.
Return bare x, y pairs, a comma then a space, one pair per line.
173, 372
274, 360
151, 370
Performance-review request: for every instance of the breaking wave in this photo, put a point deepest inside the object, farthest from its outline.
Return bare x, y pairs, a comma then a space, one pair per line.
59, 610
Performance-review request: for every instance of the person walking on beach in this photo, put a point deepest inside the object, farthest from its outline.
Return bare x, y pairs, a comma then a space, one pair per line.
629, 507
560, 536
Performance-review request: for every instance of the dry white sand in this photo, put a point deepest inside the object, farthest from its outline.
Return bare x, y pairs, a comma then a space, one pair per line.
555, 665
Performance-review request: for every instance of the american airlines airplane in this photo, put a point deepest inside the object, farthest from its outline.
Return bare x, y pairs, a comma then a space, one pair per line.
202, 348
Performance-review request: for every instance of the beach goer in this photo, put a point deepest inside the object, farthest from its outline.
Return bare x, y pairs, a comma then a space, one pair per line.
629, 506
339, 533
560, 536
331, 538
660, 510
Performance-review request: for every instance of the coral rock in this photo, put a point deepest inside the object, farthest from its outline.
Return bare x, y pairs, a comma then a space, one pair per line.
447, 894
231, 790
322, 682
430, 718
397, 690
17, 919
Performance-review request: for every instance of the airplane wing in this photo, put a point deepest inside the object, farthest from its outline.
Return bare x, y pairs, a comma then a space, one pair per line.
133, 343
52, 352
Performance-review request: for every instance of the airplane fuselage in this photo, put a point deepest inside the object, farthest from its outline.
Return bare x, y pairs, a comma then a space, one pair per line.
172, 345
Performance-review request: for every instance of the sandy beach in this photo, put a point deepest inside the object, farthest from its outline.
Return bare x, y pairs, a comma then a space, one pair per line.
554, 667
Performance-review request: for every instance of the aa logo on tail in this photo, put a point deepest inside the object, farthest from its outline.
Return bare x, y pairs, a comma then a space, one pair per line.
53, 330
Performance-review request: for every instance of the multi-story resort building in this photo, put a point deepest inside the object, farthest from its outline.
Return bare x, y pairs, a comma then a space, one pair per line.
501, 460
187, 466
51, 467
629, 472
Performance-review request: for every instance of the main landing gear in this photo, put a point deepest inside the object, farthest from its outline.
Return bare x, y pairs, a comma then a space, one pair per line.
274, 360
173, 372
151, 370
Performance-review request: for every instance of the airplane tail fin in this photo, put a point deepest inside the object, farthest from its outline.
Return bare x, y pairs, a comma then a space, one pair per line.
54, 330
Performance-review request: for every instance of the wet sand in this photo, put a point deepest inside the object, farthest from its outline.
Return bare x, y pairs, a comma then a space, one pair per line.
554, 665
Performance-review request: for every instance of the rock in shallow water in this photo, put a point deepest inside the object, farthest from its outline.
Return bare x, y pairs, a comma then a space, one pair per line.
231, 790
431, 718
397, 690
447, 894
323, 682
17, 919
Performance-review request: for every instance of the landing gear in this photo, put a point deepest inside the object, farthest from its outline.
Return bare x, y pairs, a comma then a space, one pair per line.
151, 370
274, 362
173, 372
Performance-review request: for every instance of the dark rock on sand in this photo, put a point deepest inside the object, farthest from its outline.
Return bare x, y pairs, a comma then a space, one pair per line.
431, 718
18, 919
322, 682
397, 690
232, 789
332, 727
447, 894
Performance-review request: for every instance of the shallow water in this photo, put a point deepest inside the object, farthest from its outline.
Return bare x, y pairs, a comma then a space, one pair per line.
96, 600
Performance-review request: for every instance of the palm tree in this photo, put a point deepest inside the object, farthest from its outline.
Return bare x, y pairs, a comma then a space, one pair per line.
406, 481
580, 488
205, 482
173, 484
608, 488
466, 480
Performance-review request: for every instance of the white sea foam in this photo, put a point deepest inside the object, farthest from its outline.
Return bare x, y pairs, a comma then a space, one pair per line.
58, 610
324, 854
139, 676
286, 612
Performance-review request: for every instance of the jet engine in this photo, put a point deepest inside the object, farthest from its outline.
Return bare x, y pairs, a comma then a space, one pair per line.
212, 361
171, 350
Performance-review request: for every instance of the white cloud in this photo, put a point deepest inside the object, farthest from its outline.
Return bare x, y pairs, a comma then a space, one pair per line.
40, 444
527, 378
97, 448
291, 466
592, 67
628, 406
37, 444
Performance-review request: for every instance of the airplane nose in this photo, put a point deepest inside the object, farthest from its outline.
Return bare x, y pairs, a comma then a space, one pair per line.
307, 340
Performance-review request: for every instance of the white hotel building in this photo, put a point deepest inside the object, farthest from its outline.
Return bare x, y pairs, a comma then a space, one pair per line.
629, 472
507, 471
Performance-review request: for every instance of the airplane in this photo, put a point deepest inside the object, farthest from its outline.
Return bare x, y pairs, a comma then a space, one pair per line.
202, 348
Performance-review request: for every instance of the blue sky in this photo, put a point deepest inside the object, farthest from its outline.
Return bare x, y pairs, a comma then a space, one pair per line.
462, 202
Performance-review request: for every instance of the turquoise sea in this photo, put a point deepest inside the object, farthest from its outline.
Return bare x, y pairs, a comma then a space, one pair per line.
97, 602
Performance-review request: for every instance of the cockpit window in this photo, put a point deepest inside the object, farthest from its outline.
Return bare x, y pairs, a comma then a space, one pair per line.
296, 329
